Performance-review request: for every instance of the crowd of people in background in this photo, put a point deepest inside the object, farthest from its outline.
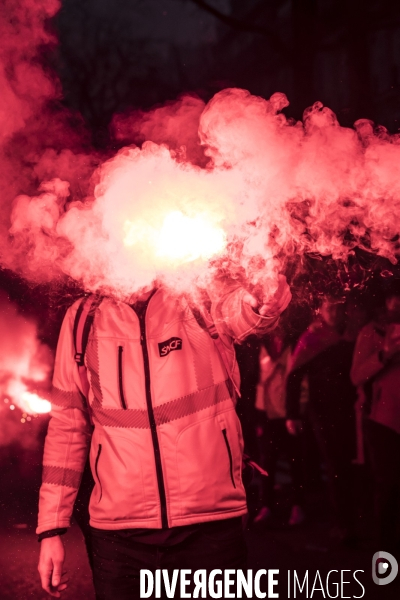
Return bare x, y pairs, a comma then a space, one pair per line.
327, 404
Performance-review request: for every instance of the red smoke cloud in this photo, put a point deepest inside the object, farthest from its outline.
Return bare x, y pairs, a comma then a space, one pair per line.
38, 140
25, 86
24, 90
232, 185
176, 124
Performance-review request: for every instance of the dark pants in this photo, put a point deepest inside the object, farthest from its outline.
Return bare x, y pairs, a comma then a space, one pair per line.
336, 441
117, 559
384, 452
81, 509
276, 441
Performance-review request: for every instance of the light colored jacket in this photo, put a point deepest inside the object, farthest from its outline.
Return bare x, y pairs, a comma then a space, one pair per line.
165, 444
385, 378
272, 383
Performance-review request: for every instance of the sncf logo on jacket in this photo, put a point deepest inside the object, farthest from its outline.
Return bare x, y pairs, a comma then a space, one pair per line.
168, 346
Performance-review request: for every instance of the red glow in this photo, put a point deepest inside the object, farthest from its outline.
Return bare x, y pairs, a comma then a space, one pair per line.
267, 187
25, 363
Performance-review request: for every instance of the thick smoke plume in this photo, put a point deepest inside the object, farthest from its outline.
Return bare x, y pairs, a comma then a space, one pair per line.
176, 125
232, 188
38, 139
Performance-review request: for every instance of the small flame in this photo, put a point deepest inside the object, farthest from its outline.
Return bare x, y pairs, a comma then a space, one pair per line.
34, 404
29, 402
25, 363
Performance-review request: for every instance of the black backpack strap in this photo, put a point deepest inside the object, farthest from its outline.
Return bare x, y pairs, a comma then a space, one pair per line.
77, 342
209, 327
82, 326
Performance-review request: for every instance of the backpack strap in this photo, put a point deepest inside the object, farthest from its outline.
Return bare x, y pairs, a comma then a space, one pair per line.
248, 465
82, 326
211, 329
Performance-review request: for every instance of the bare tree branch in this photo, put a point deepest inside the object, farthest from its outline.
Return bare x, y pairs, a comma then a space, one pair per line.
245, 27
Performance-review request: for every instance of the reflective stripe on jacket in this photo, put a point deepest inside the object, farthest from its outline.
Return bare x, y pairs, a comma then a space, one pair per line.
166, 447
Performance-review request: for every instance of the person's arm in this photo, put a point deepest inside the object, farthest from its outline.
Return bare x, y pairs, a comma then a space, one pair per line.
367, 358
66, 448
238, 313
51, 562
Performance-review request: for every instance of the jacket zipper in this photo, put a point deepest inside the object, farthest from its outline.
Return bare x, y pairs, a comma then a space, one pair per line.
230, 456
120, 377
152, 421
97, 472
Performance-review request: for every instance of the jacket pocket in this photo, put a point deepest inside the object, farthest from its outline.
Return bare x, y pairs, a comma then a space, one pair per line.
121, 378
96, 470
117, 469
229, 451
205, 468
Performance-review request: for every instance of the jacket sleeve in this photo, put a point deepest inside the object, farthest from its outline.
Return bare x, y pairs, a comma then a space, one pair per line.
237, 319
366, 362
68, 436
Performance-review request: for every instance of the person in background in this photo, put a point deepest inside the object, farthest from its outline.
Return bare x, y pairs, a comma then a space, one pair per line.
247, 354
324, 355
275, 440
376, 370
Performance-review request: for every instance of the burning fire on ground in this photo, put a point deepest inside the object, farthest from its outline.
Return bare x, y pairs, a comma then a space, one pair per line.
25, 366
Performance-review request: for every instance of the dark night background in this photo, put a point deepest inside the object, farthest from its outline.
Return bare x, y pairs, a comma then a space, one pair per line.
118, 55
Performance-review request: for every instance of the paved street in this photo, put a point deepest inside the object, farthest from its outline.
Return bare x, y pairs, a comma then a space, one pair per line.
309, 547
278, 548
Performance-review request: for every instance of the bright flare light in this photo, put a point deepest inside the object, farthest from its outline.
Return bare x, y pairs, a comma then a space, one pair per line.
181, 239
27, 401
34, 404
185, 239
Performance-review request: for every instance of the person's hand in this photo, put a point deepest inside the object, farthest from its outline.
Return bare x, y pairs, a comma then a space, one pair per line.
294, 426
51, 561
272, 306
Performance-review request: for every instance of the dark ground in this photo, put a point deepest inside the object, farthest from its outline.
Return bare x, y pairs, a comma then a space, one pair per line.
277, 547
